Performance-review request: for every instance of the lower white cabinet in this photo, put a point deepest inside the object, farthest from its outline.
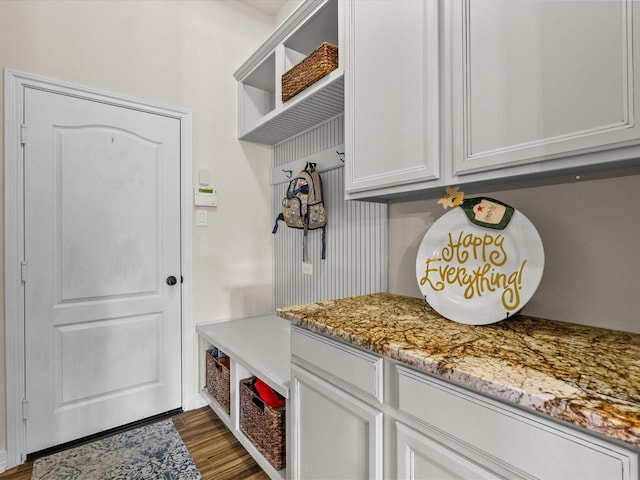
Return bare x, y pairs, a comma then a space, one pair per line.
420, 456
357, 415
335, 415
504, 438
335, 435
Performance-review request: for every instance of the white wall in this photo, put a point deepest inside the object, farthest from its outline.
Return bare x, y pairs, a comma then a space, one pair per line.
356, 232
287, 8
590, 231
178, 53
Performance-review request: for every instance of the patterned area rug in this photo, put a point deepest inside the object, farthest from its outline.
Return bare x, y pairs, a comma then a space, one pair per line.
151, 452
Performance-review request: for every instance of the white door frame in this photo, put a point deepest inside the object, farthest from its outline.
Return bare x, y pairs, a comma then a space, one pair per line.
14, 83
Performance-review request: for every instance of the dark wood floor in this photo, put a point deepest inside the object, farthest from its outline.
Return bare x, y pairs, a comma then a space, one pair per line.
217, 453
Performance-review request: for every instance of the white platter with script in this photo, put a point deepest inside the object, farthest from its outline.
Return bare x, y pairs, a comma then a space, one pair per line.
476, 275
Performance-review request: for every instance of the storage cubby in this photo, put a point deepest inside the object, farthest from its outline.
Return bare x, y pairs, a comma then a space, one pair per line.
259, 91
218, 376
263, 424
321, 27
262, 116
253, 347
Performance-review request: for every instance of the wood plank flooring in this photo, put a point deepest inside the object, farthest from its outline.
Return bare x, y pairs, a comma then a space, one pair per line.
217, 453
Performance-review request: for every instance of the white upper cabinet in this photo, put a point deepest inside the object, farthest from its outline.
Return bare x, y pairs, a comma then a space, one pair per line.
534, 81
262, 115
392, 119
487, 93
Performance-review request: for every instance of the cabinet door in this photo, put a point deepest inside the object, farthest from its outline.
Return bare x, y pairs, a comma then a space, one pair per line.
535, 81
420, 457
333, 434
391, 93
507, 439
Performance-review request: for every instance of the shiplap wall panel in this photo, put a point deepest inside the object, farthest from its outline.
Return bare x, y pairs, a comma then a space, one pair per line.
356, 261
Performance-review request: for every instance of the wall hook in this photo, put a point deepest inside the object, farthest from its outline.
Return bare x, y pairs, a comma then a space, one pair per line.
288, 173
341, 157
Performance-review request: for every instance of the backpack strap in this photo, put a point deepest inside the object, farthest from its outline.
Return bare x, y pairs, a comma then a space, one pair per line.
304, 246
324, 244
279, 218
304, 240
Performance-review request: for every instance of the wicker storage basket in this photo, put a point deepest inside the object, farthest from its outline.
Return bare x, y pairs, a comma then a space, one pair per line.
263, 425
218, 379
320, 63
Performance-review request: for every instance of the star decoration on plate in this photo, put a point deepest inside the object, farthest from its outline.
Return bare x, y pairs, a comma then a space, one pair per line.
452, 197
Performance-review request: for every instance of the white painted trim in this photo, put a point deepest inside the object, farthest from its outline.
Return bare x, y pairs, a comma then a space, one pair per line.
327, 159
3, 460
199, 401
14, 84
13, 289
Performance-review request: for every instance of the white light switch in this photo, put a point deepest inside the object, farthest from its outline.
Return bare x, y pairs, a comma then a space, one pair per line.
307, 268
202, 218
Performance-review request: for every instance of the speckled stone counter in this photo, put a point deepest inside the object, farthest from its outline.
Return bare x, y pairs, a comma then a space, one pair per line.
584, 375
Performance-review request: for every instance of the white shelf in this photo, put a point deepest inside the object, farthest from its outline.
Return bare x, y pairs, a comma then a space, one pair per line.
262, 116
318, 103
257, 346
260, 344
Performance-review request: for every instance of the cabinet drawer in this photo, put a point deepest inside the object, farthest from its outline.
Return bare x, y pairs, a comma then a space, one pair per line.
354, 367
525, 442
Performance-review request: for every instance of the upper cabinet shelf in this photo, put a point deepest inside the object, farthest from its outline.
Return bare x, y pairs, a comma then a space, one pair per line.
262, 115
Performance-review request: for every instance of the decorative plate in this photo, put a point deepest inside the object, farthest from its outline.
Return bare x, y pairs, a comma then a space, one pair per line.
476, 275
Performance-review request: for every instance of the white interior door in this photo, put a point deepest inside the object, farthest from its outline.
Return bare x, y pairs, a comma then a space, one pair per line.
102, 236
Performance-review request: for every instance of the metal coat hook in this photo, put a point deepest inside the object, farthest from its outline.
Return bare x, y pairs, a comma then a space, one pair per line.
288, 173
341, 158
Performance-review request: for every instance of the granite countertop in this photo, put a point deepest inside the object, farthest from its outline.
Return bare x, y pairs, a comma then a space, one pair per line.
584, 375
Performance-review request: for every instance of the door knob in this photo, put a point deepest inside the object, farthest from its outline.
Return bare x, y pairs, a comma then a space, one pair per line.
171, 280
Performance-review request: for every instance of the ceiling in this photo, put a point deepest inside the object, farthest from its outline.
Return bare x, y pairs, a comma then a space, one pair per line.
270, 7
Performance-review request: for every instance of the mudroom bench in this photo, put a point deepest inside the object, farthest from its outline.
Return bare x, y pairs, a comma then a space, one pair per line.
232, 351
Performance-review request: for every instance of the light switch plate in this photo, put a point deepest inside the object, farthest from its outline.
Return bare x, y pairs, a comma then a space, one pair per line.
202, 219
307, 268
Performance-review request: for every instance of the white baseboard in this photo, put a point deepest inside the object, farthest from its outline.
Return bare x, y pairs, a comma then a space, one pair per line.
3, 460
198, 401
